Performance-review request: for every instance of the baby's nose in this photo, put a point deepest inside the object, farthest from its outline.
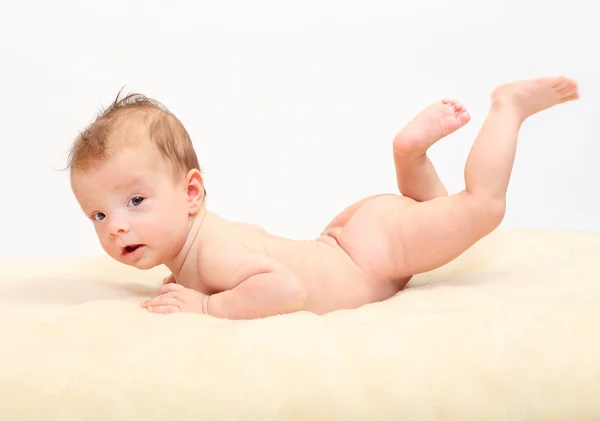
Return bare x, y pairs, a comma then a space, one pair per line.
117, 224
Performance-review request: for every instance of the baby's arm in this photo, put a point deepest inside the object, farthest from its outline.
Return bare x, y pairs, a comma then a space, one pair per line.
264, 288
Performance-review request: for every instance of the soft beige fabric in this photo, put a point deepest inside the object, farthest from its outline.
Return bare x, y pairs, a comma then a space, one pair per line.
509, 331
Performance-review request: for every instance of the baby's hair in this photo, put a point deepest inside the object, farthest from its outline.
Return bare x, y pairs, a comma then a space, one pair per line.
133, 114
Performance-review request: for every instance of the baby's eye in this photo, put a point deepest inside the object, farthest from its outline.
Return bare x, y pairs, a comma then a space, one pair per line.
136, 201
99, 216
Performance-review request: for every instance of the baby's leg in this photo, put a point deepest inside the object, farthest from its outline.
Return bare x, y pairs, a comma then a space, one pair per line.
430, 234
415, 173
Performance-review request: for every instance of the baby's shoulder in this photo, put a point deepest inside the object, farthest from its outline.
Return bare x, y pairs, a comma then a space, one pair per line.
233, 248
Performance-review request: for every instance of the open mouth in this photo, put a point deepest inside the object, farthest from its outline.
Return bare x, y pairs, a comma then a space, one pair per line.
131, 248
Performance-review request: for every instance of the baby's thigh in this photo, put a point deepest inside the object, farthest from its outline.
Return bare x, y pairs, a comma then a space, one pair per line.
369, 237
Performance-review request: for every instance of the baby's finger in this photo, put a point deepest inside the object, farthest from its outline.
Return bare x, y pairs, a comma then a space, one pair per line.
169, 287
161, 300
164, 309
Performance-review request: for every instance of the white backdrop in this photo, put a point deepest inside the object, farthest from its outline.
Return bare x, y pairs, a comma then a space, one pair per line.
292, 106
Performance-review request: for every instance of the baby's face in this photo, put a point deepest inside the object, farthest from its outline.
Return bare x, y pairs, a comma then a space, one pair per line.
140, 213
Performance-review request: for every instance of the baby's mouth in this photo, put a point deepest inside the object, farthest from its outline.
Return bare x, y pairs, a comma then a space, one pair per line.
131, 248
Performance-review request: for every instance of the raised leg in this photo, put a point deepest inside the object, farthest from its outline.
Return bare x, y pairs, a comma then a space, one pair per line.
430, 234
415, 173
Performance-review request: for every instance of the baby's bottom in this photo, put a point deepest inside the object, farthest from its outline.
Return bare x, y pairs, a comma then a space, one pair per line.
393, 237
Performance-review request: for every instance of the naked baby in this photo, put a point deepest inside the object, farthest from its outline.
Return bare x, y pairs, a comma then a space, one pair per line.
136, 176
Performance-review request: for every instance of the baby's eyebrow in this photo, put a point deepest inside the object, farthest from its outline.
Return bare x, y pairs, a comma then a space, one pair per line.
130, 182
89, 206
86, 211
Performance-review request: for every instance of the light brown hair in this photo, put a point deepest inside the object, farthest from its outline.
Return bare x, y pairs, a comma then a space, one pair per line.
133, 114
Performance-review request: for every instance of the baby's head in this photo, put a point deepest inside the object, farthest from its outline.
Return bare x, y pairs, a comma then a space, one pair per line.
135, 174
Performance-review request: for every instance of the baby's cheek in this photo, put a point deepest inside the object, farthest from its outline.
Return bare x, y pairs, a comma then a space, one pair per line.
99, 231
166, 225
169, 232
101, 237
109, 248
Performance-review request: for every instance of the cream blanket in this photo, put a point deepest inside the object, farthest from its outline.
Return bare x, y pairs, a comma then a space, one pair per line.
508, 331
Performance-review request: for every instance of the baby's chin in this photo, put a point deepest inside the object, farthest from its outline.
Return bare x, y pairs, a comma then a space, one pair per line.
142, 263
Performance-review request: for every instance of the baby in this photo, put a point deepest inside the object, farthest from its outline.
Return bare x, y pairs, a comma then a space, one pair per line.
136, 176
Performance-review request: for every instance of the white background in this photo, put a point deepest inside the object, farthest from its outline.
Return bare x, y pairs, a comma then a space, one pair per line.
292, 106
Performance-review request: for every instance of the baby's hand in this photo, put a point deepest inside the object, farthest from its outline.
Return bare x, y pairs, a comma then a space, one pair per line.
173, 298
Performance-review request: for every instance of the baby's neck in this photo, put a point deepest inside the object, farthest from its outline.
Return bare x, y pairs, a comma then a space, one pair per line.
184, 266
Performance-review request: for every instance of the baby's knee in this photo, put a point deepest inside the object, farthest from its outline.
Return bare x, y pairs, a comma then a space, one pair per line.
494, 211
488, 211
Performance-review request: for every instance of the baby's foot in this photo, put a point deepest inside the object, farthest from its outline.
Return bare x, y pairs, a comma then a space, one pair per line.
528, 97
430, 125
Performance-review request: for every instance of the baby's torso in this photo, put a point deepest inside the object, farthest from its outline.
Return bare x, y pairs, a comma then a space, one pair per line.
332, 279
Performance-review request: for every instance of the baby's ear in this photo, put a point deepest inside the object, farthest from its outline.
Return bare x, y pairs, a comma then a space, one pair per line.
195, 190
